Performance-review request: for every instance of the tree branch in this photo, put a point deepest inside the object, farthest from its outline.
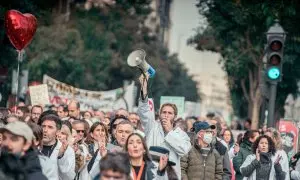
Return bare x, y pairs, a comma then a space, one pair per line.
251, 83
244, 52
243, 85
250, 46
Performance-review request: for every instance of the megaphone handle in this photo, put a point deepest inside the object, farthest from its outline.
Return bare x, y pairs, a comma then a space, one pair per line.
143, 84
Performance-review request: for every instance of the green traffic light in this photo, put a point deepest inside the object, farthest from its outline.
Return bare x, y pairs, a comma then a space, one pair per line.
273, 73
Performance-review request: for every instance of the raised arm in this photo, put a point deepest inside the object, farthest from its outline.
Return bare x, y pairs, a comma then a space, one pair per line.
147, 118
66, 164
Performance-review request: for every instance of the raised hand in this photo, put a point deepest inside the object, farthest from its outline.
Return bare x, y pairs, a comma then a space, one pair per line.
144, 84
102, 148
236, 148
257, 155
63, 147
166, 124
163, 161
278, 158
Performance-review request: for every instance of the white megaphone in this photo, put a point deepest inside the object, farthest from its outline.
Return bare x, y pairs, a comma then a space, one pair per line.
137, 58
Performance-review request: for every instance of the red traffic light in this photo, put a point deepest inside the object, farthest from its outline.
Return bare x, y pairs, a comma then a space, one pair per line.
276, 45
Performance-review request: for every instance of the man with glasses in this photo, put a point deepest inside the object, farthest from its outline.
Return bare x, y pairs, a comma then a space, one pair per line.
203, 161
81, 128
36, 112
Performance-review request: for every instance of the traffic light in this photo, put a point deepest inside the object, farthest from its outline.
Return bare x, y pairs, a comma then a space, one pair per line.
275, 54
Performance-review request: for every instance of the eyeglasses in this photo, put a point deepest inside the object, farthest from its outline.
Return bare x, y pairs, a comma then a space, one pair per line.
80, 131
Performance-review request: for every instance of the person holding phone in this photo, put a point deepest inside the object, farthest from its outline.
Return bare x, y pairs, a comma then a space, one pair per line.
263, 164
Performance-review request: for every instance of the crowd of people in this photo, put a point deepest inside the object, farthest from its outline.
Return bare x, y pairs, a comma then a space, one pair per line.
64, 143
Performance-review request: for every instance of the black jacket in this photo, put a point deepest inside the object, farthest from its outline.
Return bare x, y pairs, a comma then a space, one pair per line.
222, 150
26, 167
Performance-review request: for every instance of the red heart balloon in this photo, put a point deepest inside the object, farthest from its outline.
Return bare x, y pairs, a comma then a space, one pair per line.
20, 28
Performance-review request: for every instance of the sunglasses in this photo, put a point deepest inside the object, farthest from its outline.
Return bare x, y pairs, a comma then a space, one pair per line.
80, 131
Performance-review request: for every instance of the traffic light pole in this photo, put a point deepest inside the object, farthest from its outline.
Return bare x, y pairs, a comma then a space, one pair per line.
271, 104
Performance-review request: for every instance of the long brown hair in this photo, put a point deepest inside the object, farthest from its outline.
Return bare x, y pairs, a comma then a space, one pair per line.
146, 156
90, 140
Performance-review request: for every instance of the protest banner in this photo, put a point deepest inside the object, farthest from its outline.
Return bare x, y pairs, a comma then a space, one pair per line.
60, 93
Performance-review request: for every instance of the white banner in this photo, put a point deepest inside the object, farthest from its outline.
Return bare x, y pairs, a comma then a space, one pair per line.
60, 92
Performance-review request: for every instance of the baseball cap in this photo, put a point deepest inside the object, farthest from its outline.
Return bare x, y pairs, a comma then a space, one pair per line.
157, 151
202, 125
20, 129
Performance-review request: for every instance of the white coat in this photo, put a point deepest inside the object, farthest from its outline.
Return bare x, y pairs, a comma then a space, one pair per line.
49, 169
176, 141
295, 174
284, 163
66, 165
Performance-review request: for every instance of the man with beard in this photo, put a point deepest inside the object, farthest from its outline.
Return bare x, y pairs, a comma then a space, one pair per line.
18, 159
161, 133
61, 154
36, 112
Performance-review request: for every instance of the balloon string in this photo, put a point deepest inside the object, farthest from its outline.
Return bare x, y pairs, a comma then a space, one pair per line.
20, 58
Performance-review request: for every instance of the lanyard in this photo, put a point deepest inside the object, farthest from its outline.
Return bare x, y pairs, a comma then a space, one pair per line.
140, 172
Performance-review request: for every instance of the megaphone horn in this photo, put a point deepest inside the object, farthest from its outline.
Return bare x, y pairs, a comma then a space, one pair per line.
137, 58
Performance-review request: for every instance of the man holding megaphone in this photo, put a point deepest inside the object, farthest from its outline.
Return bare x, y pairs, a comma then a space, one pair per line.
161, 133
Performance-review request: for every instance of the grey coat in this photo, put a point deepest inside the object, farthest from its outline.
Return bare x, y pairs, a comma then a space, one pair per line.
248, 169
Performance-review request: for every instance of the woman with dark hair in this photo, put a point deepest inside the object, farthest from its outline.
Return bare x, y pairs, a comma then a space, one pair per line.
142, 168
97, 137
233, 148
113, 126
263, 164
245, 149
228, 137
97, 141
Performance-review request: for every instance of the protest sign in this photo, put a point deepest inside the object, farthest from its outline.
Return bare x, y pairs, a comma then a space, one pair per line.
39, 94
289, 134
